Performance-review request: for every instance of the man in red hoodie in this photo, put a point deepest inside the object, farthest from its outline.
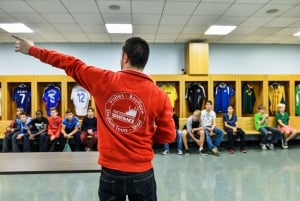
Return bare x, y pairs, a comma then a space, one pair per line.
132, 113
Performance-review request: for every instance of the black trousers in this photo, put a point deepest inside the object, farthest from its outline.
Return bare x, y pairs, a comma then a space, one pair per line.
116, 185
230, 135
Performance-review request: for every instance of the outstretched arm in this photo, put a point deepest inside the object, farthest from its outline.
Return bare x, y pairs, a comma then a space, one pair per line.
87, 76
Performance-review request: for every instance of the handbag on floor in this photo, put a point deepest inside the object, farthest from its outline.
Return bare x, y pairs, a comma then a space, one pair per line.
67, 147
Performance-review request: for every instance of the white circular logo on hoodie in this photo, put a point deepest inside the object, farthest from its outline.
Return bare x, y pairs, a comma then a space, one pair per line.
125, 112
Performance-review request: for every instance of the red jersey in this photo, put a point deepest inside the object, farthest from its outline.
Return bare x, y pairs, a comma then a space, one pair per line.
132, 111
54, 126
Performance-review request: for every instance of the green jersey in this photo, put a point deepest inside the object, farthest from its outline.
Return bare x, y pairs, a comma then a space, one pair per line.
257, 118
283, 117
297, 101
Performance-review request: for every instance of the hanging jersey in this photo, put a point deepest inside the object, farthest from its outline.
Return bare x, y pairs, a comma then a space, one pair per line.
81, 98
171, 91
248, 99
276, 96
223, 93
51, 97
22, 96
195, 94
297, 94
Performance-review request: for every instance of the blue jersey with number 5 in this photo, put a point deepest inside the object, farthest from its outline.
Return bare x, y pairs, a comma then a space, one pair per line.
51, 97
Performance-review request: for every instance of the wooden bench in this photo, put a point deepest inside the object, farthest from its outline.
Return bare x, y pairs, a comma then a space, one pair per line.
3, 125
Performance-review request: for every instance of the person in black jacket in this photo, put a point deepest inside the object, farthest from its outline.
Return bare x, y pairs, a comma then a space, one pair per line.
89, 136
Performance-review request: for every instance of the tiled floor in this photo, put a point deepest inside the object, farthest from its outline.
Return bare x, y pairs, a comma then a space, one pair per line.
255, 176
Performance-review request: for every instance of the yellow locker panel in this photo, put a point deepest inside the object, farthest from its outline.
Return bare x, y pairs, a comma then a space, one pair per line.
197, 59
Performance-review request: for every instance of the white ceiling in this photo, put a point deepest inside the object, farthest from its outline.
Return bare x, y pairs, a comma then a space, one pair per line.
158, 21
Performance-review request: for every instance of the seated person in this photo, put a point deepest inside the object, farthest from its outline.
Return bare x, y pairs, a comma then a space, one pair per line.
261, 124
24, 123
178, 138
89, 136
193, 130
283, 124
53, 130
38, 129
208, 123
12, 129
231, 128
70, 129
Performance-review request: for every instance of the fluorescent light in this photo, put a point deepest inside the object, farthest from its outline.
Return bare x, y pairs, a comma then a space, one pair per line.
297, 34
219, 30
119, 28
15, 28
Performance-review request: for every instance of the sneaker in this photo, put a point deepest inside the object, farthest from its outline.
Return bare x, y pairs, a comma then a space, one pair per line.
263, 146
87, 149
270, 146
203, 152
165, 152
231, 151
215, 151
286, 146
282, 143
187, 152
179, 152
243, 150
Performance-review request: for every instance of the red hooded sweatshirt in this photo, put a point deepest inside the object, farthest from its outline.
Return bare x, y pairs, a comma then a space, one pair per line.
132, 111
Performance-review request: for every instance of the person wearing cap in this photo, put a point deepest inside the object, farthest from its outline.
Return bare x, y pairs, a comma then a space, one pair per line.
261, 124
283, 124
38, 129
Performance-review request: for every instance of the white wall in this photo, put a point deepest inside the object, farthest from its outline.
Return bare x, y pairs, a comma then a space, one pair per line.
164, 58
254, 59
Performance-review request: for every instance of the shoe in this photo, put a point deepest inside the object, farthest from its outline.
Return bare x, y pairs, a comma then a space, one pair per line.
263, 146
87, 149
187, 152
286, 145
231, 151
243, 150
165, 152
203, 152
179, 152
215, 151
270, 146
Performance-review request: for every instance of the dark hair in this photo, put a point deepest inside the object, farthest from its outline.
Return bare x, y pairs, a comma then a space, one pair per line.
23, 113
53, 109
68, 111
261, 107
20, 109
137, 50
90, 108
209, 101
39, 111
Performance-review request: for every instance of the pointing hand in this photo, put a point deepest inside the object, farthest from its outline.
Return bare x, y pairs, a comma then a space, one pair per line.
22, 45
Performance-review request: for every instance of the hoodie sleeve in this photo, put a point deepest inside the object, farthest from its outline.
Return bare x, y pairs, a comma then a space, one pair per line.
84, 75
165, 130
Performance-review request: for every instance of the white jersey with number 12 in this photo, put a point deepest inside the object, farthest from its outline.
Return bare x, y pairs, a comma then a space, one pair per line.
81, 98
